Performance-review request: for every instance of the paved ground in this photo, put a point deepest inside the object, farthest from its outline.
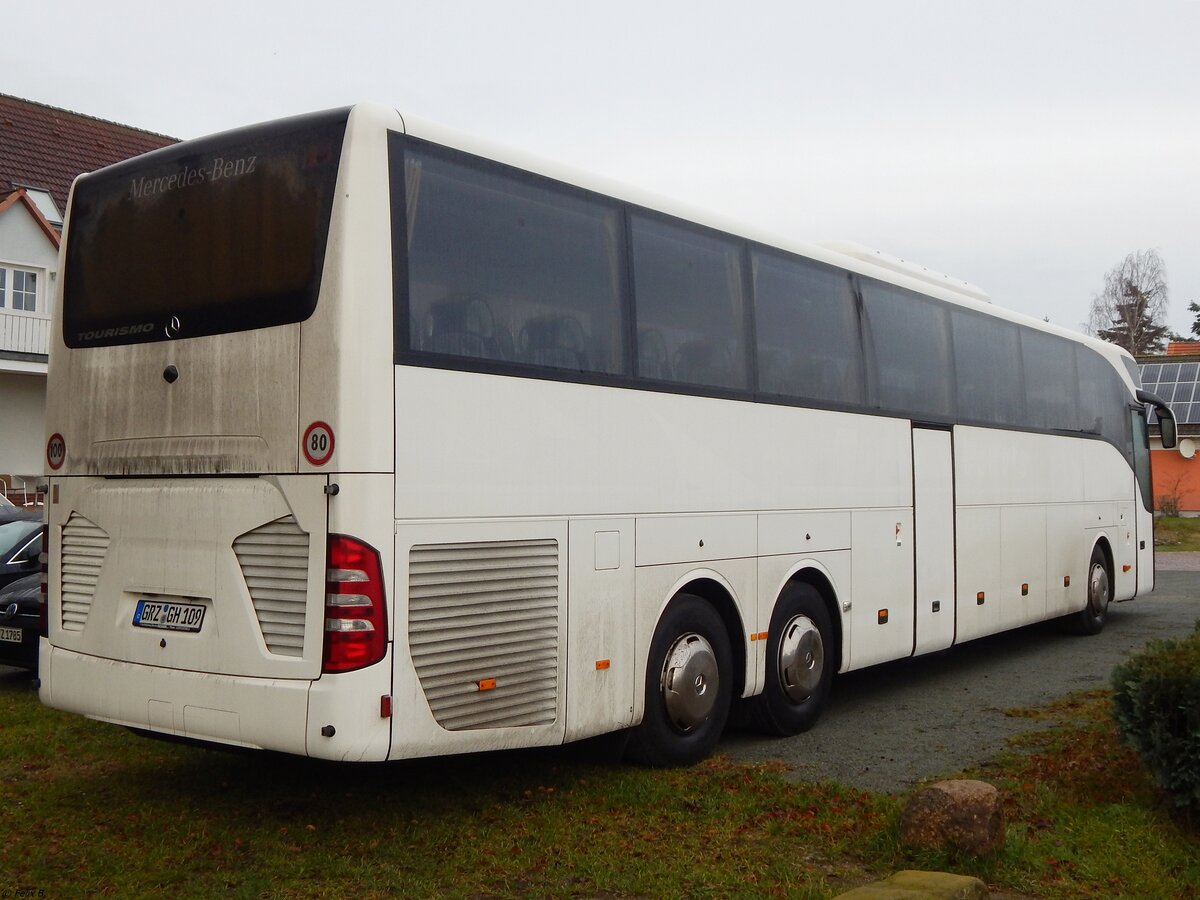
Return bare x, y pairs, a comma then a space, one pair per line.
1177, 562
889, 726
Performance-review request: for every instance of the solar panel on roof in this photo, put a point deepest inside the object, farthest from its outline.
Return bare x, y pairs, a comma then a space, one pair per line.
1179, 385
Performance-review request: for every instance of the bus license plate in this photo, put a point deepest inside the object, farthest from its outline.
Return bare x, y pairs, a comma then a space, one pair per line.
14, 635
170, 616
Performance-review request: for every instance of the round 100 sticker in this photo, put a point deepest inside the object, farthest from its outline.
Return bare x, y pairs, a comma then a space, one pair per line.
318, 443
56, 451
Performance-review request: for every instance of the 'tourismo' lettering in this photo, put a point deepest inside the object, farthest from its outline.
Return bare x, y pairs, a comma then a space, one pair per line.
221, 168
123, 331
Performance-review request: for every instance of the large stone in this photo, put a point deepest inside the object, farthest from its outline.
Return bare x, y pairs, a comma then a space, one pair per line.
914, 885
964, 815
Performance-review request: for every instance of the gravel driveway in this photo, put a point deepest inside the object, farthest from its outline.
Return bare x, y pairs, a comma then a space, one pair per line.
889, 726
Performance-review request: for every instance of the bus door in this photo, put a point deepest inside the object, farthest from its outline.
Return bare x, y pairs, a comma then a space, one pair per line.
933, 537
1144, 532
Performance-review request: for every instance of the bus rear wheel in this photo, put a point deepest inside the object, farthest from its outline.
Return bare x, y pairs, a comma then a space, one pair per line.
689, 684
800, 663
1091, 619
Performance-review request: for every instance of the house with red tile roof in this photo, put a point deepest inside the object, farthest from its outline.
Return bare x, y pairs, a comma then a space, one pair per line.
42, 150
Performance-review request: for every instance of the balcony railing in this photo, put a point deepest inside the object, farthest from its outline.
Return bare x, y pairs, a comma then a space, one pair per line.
24, 333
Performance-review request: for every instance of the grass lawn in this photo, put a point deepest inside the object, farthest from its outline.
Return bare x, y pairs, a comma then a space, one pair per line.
90, 809
1176, 533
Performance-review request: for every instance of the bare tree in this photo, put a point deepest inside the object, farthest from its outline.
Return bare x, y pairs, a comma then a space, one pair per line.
1131, 310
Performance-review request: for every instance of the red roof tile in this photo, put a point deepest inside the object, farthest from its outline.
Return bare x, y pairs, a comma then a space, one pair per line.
45, 147
1183, 348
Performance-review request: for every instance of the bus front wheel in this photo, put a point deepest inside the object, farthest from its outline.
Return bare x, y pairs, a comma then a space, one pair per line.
800, 662
1091, 619
689, 683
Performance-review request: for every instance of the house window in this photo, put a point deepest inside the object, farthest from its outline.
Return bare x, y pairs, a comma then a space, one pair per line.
18, 289
44, 201
24, 290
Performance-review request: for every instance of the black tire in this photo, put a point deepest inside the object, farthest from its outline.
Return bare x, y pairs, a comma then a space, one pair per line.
1091, 619
691, 635
800, 663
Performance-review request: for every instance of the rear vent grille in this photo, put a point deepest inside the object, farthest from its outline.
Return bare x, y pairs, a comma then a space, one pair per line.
483, 631
274, 561
84, 545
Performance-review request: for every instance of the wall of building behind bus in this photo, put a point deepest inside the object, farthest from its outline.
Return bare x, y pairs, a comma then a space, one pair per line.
1175, 376
1176, 479
22, 425
24, 245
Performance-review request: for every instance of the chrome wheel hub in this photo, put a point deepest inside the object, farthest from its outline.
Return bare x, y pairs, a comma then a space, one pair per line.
690, 681
1098, 589
801, 659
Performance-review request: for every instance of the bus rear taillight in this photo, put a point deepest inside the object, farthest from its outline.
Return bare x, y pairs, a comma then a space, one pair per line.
44, 593
355, 614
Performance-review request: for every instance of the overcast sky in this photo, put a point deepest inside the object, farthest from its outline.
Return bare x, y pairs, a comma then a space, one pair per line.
1023, 146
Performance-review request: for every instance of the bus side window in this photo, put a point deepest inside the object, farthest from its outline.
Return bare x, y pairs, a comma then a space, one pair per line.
1051, 383
688, 290
544, 260
911, 339
809, 346
988, 379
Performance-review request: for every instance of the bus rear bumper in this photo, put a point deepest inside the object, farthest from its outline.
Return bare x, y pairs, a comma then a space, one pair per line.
261, 713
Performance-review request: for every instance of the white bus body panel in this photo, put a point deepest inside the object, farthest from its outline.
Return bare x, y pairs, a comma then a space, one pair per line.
524, 447
345, 372
262, 713
933, 490
121, 417
212, 542
601, 642
448, 651
1030, 510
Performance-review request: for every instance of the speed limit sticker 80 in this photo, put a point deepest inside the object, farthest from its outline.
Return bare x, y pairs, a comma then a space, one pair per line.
317, 443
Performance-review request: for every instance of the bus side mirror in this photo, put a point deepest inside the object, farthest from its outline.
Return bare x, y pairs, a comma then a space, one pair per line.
1167, 428
1166, 419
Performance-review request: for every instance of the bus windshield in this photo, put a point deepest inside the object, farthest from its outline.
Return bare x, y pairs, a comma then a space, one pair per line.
220, 235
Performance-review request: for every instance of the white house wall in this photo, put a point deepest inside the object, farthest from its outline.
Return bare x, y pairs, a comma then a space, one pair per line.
23, 244
22, 423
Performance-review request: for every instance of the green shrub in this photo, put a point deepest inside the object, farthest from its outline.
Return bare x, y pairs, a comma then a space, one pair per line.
1156, 704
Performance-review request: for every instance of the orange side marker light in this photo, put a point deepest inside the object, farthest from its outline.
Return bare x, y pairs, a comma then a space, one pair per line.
602, 664
487, 684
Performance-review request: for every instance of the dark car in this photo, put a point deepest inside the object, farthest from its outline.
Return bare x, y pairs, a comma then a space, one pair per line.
12, 513
20, 546
19, 614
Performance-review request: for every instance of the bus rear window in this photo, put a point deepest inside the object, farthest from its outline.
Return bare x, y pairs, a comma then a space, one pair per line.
217, 235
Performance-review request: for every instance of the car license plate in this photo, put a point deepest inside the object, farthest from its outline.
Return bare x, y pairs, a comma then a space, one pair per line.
15, 635
168, 615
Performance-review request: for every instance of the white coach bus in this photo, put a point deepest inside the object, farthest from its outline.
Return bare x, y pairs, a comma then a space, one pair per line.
367, 441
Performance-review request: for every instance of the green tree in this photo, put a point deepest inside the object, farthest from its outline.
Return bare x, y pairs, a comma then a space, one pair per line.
1131, 310
1194, 309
